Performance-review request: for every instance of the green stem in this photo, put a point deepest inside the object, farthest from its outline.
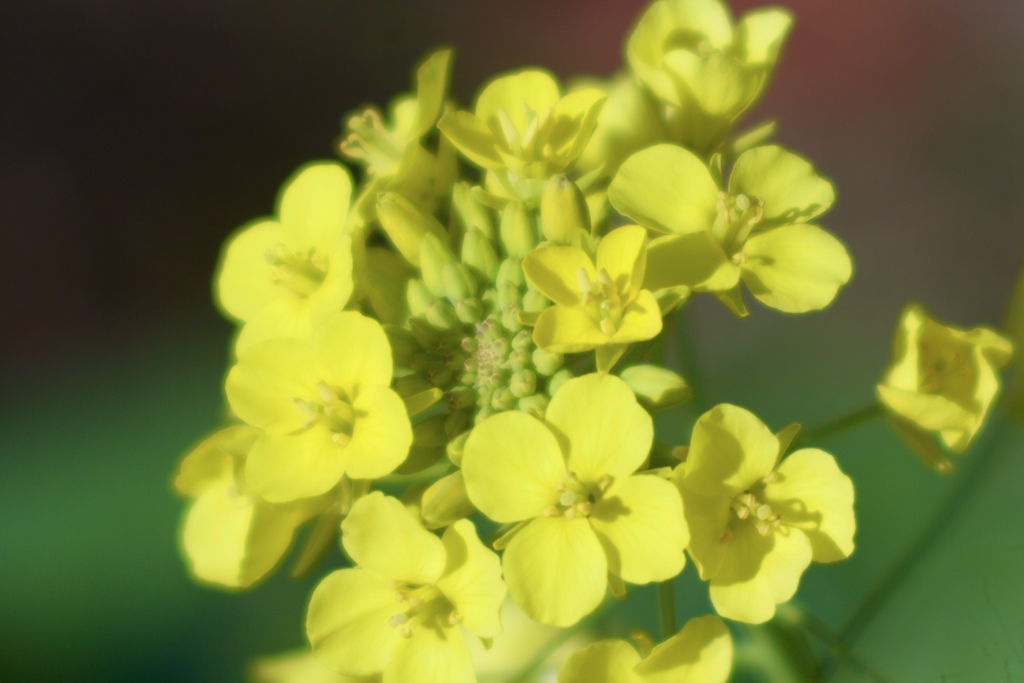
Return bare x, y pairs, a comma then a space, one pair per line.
912, 556
840, 424
558, 641
667, 608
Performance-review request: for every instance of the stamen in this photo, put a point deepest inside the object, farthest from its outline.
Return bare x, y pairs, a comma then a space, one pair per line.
568, 498
607, 327
583, 281
398, 619
551, 511
325, 392
454, 618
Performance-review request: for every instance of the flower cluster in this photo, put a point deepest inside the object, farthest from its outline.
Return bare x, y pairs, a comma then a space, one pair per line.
454, 363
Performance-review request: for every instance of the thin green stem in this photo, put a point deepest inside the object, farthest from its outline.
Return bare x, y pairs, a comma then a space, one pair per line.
917, 551
839, 424
667, 608
558, 641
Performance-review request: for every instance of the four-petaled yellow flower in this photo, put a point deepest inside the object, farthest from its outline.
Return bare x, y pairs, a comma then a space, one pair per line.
402, 610
325, 406
941, 383
756, 523
283, 276
582, 512
756, 231
700, 653
598, 306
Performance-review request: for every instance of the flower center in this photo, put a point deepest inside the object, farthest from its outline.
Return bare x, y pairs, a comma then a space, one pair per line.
601, 299
530, 144
421, 605
736, 218
334, 408
576, 499
751, 506
370, 143
943, 369
299, 273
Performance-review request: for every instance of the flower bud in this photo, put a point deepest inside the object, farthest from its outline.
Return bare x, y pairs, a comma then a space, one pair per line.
502, 399
510, 272
535, 405
419, 298
471, 214
406, 225
403, 344
479, 256
558, 379
445, 502
442, 316
455, 448
523, 383
656, 387
459, 283
434, 256
563, 212
517, 232
547, 363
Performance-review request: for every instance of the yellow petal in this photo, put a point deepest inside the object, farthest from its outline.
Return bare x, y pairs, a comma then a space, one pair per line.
700, 653
348, 622
515, 94
665, 188
607, 661
264, 385
286, 317
431, 85
314, 203
556, 570
759, 572
813, 495
283, 468
641, 320
567, 329
554, 271
761, 34
512, 464
472, 137
233, 540
434, 654
352, 352
795, 268
792, 190
623, 254
244, 284
381, 434
212, 461
384, 538
721, 84
639, 521
730, 450
695, 260
472, 580
931, 412
607, 432
336, 288
707, 519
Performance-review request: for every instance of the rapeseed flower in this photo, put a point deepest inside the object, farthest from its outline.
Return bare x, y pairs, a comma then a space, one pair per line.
570, 484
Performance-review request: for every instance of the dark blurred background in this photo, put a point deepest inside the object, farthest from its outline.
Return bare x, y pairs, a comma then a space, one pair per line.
135, 136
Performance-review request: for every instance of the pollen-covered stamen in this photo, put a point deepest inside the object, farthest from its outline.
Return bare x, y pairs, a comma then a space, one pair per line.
601, 299
369, 142
748, 506
736, 217
575, 498
297, 272
419, 605
334, 408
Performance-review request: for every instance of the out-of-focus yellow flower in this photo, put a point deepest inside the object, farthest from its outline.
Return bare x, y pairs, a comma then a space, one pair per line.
390, 151
523, 131
941, 383
693, 57
581, 511
230, 536
325, 407
700, 653
283, 276
756, 523
756, 231
299, 666
600, 306
402, 610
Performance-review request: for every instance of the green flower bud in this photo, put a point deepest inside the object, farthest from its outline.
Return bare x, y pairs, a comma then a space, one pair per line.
423, 361
479, 256
440, 374
558, 379
523, 383
445, 502
442, 315
469, 310
563, 212
460, 397
547, 363
656, 387
510, 272
510, 319
469, 213
459, 283
519, 359
522, 340
534, 301
410, 385
508, 295
517, 232
457, 422
405, 224
426, 335
434, 256
535, 405
419, 297
502, 399
455, 447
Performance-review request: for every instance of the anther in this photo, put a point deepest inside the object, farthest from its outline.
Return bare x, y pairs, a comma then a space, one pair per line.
568, 498
454, 618
551, 511
772, 477
398, 619
607, 327
583, 280
325, 392
405, 632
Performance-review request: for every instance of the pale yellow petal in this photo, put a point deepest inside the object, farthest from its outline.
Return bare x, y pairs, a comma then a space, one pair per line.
244, 284
283, 468
352, 351
792, 190
314, 203
567, 329
700, 653
269, 382
641, 320
730, 451
434, 654
607, 661
472, 580
381, 435
622, 253
555, 272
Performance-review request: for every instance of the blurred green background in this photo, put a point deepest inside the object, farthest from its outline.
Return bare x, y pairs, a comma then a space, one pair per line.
136, 136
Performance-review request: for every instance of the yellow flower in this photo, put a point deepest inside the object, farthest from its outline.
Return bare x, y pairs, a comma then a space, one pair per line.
692, 56
230, 536
402, 610
597, 306
299, 666
700, 653
756, 231
941, 383
282, 276
756, 525
524, 131
325, 406
570, 483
